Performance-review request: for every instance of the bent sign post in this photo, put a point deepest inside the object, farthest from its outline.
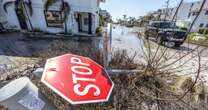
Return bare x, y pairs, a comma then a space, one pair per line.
77, 79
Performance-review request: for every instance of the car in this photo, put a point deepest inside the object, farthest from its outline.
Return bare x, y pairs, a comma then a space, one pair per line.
165, 32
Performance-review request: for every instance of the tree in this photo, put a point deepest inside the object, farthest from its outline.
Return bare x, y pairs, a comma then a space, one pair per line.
124, 16
20, 4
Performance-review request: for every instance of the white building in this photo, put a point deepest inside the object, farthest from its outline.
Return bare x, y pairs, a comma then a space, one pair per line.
187, 12
69, 16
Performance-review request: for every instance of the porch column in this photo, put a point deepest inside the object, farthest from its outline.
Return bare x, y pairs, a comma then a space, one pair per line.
90, 23
79, 20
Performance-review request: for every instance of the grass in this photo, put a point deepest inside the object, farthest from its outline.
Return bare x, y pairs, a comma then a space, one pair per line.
197, 42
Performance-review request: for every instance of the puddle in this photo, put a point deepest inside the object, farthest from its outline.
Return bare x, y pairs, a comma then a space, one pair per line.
124, 38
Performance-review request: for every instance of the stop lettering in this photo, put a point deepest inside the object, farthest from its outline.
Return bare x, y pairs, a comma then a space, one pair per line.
77, 79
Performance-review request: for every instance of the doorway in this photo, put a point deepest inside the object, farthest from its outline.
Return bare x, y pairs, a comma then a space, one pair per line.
84, 21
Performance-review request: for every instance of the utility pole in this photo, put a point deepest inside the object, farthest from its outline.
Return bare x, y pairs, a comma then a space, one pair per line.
199, 12
167, 9
177, 9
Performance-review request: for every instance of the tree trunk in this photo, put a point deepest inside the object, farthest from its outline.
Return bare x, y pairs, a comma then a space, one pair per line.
27, 16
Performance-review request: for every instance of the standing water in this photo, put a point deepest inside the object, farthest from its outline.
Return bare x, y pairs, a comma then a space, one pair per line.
124, 38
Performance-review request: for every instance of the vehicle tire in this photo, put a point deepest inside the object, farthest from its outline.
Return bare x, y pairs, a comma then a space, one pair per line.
159, 40
178, 45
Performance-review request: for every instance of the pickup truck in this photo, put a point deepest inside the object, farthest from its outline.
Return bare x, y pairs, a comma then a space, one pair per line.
165, 32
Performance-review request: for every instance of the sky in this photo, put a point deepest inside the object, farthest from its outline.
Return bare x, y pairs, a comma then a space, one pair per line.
135, 8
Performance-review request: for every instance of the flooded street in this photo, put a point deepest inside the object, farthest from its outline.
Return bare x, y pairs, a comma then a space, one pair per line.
124, 38
18, 50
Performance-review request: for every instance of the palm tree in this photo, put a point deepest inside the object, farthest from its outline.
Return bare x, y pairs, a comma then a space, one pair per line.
21, 3
18, 2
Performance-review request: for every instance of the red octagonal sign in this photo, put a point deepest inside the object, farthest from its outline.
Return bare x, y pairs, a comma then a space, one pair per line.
77, 79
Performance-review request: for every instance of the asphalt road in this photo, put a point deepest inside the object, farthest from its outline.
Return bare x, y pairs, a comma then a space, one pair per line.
127, 39
18, 49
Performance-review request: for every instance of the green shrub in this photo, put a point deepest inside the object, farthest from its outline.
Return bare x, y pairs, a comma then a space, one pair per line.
203, 31
184, 28
37, 30
99, 30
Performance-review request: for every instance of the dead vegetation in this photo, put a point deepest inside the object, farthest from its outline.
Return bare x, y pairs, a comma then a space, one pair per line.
121, 60
158, 87
153, 89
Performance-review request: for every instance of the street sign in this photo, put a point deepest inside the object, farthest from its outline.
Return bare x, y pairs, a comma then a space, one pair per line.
77, 79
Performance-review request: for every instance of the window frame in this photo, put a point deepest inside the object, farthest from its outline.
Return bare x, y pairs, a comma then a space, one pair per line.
201, 25
62, 18
207, 25
206, 12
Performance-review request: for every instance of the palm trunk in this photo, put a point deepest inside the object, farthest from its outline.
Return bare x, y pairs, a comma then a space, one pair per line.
27, 16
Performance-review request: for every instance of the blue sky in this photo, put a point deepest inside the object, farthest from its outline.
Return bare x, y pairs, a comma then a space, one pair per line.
135, 8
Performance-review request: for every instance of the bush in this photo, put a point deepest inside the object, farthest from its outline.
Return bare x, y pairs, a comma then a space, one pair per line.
37, 30
203, 31
99, 31
184, 28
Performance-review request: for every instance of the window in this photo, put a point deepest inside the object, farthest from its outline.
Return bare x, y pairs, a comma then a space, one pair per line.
189, 15
201, 25
206, 13
207, 26
195, 13
54, 18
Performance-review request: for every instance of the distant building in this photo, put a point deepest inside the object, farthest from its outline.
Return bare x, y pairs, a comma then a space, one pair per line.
186, 14
82, 15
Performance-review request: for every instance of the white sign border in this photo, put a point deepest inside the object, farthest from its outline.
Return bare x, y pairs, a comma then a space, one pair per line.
69, 100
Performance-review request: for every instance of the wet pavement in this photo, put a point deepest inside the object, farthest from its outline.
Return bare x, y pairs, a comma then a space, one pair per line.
19, 49
22, 48
124, 38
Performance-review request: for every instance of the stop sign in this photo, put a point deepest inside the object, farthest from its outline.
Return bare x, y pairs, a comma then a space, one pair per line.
77, 79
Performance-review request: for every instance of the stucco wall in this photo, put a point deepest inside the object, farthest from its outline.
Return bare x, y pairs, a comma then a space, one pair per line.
38, 20
186, 8
9, 19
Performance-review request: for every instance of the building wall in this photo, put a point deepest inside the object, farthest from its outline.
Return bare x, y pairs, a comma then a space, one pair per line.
185, 15
38, 19
9, 19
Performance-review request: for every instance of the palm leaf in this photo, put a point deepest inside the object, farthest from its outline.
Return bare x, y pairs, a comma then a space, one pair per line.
7, 4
